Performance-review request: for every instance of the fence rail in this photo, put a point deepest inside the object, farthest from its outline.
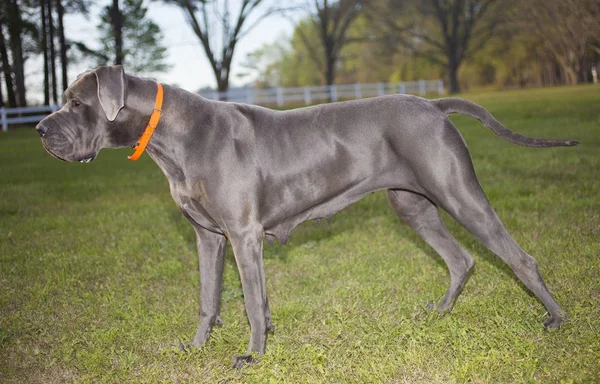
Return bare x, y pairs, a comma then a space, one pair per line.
26, 115
310, 95
276, 96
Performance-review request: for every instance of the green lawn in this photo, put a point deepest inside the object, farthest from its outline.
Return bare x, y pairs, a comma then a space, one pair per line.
98, 272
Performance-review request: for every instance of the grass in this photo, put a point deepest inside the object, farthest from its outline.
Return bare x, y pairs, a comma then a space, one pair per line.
98, 272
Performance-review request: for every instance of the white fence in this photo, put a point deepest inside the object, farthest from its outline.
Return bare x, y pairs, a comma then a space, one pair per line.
276, 96
310, 95
25, 115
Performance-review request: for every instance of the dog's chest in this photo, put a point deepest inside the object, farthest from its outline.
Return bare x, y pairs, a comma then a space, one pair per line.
193, 202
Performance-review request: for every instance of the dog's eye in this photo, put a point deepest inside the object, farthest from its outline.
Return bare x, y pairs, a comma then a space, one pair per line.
75, 103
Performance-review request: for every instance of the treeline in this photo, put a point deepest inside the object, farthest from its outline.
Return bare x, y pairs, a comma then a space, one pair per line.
34, 28
468, 43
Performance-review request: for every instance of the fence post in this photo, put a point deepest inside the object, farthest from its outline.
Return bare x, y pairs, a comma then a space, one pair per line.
357, 93
279, 97
401, 88
422, 87
250, 96
333, 92
440, 84
3, 117
381, 89
307, 96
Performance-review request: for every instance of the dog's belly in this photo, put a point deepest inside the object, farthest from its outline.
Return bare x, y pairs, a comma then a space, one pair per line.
286, 215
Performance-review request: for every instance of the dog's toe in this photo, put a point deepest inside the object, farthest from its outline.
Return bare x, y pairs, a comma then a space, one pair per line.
241, 361
554, 322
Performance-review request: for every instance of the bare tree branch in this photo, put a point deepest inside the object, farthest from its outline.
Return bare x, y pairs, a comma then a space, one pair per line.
457, 21
332, 21
209, 19
567, 29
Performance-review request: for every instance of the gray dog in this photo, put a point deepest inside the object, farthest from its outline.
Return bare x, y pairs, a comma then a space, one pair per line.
242, 173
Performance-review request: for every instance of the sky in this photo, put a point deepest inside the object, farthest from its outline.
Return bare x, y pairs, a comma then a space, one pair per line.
189, 67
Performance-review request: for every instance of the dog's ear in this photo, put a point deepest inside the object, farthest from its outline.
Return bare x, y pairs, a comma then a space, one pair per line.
111, 90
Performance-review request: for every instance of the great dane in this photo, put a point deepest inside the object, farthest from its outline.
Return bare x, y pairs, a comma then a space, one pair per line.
243, 173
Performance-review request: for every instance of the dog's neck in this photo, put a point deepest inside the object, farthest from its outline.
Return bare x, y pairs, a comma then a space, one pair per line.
165, 140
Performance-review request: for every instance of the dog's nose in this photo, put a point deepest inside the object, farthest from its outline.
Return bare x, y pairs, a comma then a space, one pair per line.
41, 129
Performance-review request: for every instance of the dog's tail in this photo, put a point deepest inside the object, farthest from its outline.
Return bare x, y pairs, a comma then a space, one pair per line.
454, 105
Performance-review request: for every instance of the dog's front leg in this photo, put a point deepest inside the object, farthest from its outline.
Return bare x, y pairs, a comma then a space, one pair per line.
248, 251
211, 253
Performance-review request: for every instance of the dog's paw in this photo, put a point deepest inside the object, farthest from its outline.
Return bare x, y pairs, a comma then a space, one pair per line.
242, 361
554, 322
444, 307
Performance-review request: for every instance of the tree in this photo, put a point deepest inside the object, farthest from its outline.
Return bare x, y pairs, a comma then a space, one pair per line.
1, 97
363, 58
332, 21
567, 29
60, 10
445, 32
67, 7
52, 51
54, 11
11, 15
266, 63
6, 67
138, 46
219, 32
297, 67
44, 49
116, 20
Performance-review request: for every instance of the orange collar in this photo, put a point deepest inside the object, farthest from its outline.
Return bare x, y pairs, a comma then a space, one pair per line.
154, 118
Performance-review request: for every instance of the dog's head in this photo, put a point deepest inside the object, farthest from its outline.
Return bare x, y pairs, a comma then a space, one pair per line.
86, 122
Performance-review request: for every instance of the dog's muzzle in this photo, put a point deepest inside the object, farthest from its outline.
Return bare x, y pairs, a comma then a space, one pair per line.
41, 129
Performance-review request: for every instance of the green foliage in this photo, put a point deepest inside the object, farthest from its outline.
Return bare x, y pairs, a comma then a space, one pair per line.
143, 48
379, 48
265, 63
297, 67
98, 272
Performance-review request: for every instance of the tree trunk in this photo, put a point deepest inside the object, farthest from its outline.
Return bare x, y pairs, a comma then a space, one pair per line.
581, 72
330, 76
223, 84
63, 45
52, 53
8, 76
453, 77
16, 46
570, 75
330, 71
1, 97
44, 33
569, 70
117, 19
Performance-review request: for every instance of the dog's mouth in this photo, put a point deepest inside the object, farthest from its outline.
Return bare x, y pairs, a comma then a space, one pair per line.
47, 148
87, 159
83, 159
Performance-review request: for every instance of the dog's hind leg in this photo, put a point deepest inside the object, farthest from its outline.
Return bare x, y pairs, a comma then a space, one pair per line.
450, 180
471, 209
423, 216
